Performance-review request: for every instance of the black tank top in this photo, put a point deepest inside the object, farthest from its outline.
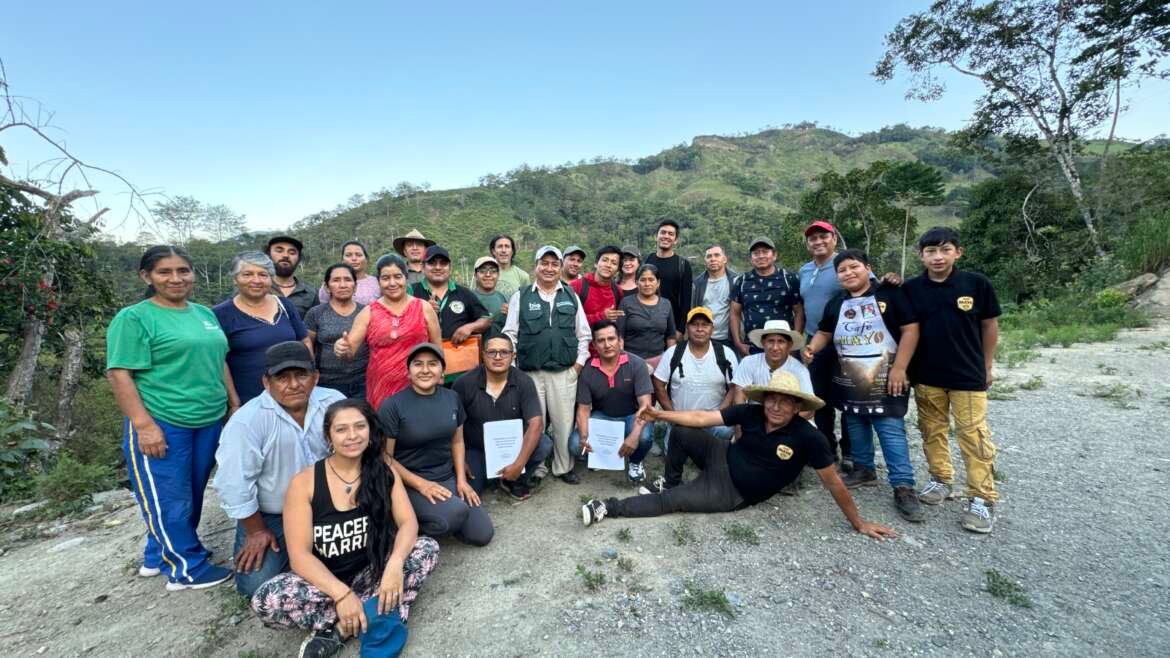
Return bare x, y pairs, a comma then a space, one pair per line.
339, 538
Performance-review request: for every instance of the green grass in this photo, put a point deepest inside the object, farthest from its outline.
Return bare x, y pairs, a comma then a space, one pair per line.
625, 536
1000, 586
1106, 369
1001, 391
1032, 384
682, 533
625, 564
1121, 395
1156, 346
741, 533
698, 597
592, 580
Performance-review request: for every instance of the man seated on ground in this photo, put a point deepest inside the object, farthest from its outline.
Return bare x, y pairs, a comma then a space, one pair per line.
696, 373
774, 447
496, 391
615, 385
276, 435
459, 310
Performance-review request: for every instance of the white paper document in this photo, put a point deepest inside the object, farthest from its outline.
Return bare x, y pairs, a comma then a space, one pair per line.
502, 440
605, 437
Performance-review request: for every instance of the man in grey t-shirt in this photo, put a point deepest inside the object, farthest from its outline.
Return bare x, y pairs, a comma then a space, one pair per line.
713, 291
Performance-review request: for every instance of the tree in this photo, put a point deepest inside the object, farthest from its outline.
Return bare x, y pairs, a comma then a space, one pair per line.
221, 223
913, 184
180, 218
1045, 71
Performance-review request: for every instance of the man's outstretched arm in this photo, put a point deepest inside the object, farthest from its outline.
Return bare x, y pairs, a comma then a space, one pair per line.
836, 487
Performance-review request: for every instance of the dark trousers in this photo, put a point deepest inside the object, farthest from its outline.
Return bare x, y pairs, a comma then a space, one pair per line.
477, 461
469, 524
712, 491
820, 371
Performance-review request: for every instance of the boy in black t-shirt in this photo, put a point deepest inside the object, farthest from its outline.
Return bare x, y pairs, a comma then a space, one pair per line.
874, 330
952, 370
776, 443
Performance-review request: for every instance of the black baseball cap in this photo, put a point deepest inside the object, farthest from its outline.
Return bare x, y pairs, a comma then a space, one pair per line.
285, 238
762, 241
426, 347
289, 354
435, 251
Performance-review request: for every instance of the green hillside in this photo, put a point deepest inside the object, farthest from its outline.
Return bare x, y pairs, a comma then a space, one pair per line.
723, 189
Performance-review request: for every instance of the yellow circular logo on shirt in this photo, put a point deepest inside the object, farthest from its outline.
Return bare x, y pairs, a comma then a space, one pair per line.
882, 307
783, 452
966, 303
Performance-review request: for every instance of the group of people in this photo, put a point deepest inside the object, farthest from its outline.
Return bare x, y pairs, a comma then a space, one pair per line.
349, 447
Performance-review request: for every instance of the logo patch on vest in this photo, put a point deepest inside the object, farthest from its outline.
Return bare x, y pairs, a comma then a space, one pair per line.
784, 452
457, 307
966, 303
534, 306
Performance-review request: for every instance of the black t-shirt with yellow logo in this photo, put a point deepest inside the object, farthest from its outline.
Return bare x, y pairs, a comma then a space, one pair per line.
950, 315
761, 463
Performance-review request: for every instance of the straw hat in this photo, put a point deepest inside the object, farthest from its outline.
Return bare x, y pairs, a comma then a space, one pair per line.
414, 234
756, 336
786, 383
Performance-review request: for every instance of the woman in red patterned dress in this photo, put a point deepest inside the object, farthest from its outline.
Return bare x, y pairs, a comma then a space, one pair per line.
390, 326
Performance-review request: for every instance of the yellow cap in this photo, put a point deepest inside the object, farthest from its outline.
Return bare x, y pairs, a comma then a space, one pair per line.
700, 310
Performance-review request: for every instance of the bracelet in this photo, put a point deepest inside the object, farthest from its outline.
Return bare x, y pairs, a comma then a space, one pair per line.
347, 593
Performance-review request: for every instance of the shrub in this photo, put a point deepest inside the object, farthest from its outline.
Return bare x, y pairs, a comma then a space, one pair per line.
70, 480
1147, 248
23, 448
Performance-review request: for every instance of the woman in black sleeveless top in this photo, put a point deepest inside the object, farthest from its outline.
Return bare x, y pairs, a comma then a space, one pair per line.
351, 535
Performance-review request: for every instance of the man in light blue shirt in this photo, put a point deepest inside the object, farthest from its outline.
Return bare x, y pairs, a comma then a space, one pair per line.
264, 444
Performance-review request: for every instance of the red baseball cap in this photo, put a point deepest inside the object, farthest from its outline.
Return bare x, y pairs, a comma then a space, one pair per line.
819, 225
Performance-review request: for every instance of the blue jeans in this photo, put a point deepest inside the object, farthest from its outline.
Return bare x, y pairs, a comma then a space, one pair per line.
274, 563
644, 441
892, 435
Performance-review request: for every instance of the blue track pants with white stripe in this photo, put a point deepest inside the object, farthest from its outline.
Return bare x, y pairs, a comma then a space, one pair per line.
170, 494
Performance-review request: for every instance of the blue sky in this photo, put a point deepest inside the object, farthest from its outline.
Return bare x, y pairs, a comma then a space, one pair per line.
282, 109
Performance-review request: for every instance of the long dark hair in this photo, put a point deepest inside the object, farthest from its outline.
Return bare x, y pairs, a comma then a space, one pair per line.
156, 253
373, 494
343, 266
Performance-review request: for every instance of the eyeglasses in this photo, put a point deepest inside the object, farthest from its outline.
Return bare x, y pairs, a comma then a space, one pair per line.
497, 354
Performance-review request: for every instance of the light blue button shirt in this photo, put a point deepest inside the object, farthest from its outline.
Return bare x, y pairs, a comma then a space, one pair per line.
262, 448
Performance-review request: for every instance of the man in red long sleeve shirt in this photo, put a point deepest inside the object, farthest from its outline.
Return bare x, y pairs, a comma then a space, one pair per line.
598, 290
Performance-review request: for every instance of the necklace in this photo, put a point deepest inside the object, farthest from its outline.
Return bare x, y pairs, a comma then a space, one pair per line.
348, 483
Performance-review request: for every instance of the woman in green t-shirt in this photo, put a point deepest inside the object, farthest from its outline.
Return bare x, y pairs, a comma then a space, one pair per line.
165, 361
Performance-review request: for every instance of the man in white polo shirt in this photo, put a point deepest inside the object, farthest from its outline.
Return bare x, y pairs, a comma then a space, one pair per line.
696, 373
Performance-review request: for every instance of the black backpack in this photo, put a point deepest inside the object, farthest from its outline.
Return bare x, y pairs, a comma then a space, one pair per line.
676, 363
617, 292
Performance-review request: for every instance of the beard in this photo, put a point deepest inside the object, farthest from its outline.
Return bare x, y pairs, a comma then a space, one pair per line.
284, 268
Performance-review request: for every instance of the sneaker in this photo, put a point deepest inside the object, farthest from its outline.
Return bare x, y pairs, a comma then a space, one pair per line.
517, 490
636, 472
860, 477
935, 492
978, 516
906, 500
210, 578
321, 644
570, 478
845, 467
592, 511
148, 572
656, 487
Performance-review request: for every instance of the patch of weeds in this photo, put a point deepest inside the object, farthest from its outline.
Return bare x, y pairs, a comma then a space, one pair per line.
1000, 391
1156, 346
1121, 395
1016, 357
1052, 360
234, 603
1166, 400
592, 580
1032, 384
625, 536
881, 643
510, 581
1106, 369
1000, 586
697, 597
999, 475
625, 564
682, 534
742, 533
584, 498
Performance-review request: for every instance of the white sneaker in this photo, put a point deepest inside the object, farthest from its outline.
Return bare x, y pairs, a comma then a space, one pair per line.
636, 472
656, 487
592, 511
148, 572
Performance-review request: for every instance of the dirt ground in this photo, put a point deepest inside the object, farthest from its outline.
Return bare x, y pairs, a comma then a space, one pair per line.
1082, 536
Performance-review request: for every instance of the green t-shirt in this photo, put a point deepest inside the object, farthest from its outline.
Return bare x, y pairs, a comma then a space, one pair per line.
511, 280
176, 357
494, 302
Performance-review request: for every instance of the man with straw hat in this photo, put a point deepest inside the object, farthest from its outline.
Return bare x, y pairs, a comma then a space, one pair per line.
413, 247
775, 445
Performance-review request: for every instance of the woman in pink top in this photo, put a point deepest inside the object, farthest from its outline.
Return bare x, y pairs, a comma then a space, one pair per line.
390, 326
366, 288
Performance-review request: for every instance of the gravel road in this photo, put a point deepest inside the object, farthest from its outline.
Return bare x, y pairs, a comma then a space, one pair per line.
1082, 530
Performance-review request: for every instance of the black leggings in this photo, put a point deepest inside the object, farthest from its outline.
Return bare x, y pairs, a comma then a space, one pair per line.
471, 525
712, 491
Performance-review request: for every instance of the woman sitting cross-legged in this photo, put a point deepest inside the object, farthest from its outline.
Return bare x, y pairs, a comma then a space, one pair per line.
424, 430
351, 535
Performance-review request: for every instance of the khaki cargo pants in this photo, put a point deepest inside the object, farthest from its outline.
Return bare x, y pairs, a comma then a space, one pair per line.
936, 406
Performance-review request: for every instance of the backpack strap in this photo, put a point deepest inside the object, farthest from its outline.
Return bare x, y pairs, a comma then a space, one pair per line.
676, 364
721, 361
584, 290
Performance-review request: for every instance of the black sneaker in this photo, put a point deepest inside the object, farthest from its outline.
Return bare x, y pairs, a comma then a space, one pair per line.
517, 490
322, 644
570, 478
592, 511
906, 500
860, 477
845, 467
655, 487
